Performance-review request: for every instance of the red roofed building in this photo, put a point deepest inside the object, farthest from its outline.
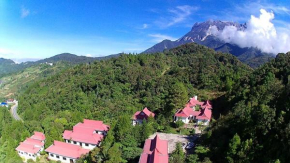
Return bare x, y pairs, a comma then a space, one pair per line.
139, 116
206, 105
98, 126
188, 113
87, 135
64, 152
31, 147
155, 151
193, 102
38, 136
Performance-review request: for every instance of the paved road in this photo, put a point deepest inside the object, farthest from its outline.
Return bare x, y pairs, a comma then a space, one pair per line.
13, 111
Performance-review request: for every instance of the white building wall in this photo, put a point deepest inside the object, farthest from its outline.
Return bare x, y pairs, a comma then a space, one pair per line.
83, 145
27, 156
183, 119
204, 122
134, 122
63, 159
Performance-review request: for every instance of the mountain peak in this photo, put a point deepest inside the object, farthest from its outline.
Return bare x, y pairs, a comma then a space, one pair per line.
199, 34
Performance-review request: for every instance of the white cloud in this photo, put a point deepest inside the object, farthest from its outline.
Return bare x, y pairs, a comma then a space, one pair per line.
177, 15
7, 52
160, 37
239, 12
24, 12
145, 26
260, 33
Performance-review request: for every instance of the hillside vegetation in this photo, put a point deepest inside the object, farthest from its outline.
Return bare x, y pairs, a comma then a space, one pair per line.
8, 66
256, 125
12, 84
112, 90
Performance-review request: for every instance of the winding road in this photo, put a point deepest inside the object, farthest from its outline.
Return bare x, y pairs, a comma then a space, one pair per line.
13, 111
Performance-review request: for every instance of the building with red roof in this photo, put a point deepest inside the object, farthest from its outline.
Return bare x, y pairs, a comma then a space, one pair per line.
65, 152
139, 116
189, 112
38, 136
87, 135
206, 105
98, 126
31, 147
155, 151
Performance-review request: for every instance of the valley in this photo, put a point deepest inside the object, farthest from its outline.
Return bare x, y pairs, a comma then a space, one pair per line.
145, 81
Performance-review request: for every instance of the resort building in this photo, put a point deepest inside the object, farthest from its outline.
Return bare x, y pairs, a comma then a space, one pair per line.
155, 151
65, 152
31, 147
139, 116
195, 111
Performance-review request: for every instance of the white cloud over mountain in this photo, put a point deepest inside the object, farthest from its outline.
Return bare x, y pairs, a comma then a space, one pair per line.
260, 33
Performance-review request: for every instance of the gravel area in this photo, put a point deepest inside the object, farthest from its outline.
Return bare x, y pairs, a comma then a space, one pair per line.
173, 139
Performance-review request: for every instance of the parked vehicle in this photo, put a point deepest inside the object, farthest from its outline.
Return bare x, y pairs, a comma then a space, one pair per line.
184, 145
189, 145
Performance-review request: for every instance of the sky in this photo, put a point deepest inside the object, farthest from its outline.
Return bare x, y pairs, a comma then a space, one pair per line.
31, 30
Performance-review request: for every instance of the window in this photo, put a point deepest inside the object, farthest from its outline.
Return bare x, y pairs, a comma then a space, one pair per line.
75, 142
21, 152
33, 155
29, 154
51, 155
18, 151
68, 141
64, 158
87, 144
57, 156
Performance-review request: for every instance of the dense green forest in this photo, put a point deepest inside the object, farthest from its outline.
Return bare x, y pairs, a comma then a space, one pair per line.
13, 84
251, 108
256, 127
112, 90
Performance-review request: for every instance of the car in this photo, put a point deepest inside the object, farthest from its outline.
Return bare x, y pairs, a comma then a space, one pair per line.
184, 145
189, 145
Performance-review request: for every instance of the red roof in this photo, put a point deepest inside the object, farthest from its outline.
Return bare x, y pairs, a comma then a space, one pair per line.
205, 114
84, 137
144, 114
95, 125
66, 149
155, 151
29, 148
206, 105
38, 136
34, 142
194, 102
186, 112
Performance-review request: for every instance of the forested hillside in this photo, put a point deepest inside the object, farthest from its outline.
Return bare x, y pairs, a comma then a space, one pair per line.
8, 66
12, 84
112, 90
256, 125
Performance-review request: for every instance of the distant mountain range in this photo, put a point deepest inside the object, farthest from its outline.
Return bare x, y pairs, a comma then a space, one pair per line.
9, 66
200, 35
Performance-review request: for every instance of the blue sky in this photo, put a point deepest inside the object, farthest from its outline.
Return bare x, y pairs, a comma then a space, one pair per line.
43, 28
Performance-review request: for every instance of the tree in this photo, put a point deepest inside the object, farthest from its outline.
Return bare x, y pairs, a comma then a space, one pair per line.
233, 148
146, 130
234, 145
178, 124
177, 97
177, 155
114, 154
192, 158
